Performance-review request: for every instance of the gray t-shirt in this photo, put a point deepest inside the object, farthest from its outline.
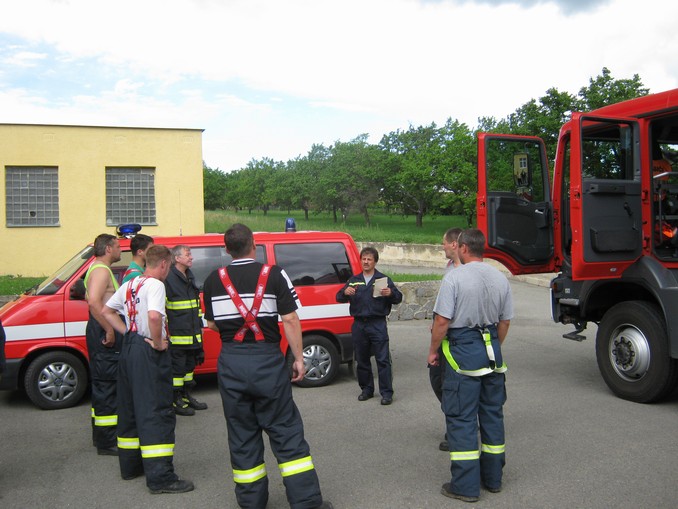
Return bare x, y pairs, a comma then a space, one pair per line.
474, 294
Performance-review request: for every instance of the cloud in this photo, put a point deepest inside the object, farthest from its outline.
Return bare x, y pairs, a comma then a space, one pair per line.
270, 78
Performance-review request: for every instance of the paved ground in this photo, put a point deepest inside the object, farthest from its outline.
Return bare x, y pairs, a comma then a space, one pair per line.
570, 442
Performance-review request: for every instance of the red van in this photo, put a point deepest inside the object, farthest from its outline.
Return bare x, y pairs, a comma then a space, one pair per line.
45, 327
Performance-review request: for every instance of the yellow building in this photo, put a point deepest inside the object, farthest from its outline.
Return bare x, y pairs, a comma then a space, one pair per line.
63, 185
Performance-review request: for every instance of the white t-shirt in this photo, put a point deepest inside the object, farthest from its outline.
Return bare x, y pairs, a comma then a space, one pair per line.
151, 297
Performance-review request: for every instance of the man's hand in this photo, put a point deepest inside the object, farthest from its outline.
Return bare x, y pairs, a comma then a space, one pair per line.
109, 340
161, 346
433, 359
350, 290
298, 370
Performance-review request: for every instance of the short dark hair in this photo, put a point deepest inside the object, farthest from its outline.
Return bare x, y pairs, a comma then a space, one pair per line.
140, 241
238, 240
370, 251
452, 235
474, 240
157, 254
102, 242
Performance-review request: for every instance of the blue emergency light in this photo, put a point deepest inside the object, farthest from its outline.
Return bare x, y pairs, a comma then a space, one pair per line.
127, 230
290, 225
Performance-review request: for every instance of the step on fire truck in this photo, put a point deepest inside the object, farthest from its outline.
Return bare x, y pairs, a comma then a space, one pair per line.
607, 224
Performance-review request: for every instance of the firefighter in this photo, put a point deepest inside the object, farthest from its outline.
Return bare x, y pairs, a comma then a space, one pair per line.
185, 328
103, 345
370, 334
242, 303
146, 419
473, 312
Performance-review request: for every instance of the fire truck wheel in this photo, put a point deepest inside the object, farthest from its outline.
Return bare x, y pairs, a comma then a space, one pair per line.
55, 380
632, 352
321, 360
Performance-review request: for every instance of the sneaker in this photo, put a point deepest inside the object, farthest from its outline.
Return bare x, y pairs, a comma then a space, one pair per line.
364, 396
446, 491
192, 402
177, 486
386, 401
107, 451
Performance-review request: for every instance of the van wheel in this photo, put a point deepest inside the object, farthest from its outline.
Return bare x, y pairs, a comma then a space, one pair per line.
55, 380
632, 352
321, 360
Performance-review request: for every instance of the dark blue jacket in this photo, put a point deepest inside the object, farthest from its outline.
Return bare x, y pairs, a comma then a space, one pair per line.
362, 304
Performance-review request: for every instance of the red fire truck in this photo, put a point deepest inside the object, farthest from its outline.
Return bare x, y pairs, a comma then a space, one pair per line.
46, 350
607, 224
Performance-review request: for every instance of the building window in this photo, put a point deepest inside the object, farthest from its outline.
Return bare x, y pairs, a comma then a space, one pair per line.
32, 196
130, 196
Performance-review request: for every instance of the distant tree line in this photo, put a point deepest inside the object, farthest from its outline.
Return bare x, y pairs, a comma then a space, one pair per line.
422, 170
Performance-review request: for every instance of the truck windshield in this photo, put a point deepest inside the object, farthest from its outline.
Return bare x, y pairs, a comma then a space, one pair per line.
52, 284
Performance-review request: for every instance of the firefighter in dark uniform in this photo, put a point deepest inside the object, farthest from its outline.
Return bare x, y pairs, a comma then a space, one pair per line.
242, 304
369, 331
473, 311
146, 420
103, 345
185, 329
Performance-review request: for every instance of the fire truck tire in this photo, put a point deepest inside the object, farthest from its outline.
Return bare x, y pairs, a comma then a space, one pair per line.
633, 353
321, 360
56, 380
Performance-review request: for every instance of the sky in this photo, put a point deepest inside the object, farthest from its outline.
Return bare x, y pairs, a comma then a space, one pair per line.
269, 78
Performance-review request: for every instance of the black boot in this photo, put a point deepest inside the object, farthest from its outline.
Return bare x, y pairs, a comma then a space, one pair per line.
180, 406
192, 402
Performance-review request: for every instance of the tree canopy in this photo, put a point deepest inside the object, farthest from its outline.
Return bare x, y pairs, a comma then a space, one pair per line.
422, 170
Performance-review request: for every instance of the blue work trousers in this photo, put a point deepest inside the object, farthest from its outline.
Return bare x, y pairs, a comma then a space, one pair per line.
470, 402
370, 337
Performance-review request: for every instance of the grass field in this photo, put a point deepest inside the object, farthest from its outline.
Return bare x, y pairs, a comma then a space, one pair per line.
383, 227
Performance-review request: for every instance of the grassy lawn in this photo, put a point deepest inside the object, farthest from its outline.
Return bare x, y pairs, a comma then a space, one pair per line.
14, 285
383, 227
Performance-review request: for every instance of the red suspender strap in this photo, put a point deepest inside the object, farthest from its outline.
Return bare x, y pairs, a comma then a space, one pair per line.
131, 301
250, 315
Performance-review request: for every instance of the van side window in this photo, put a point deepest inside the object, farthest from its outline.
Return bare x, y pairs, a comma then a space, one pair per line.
322, 263
208, 259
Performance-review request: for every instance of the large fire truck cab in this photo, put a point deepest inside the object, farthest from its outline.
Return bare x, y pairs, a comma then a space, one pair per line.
607, 224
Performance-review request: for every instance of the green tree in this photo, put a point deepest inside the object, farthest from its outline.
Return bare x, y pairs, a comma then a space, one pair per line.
214, 188
604, 90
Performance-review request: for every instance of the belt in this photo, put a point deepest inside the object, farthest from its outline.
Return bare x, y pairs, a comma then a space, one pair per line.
368, 318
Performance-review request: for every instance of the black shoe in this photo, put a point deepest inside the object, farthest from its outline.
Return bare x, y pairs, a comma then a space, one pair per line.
180, 406
107, 451
325, 505
444, 446
496, 489
364, 396
192, 402
386, 401
177, 486
446, 491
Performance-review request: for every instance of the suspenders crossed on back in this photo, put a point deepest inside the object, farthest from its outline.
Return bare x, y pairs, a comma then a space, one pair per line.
249, 315
131, 301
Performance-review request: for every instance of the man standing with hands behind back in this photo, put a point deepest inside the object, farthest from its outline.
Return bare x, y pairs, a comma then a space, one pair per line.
472, 316
371, 295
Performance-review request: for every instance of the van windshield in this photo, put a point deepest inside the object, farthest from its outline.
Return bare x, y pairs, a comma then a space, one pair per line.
52, 284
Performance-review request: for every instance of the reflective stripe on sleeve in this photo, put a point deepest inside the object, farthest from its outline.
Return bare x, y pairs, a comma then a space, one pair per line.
183, 340
178, 305
251, 475
296, 467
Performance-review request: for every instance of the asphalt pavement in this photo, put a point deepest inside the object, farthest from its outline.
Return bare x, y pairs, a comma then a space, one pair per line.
570, 442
